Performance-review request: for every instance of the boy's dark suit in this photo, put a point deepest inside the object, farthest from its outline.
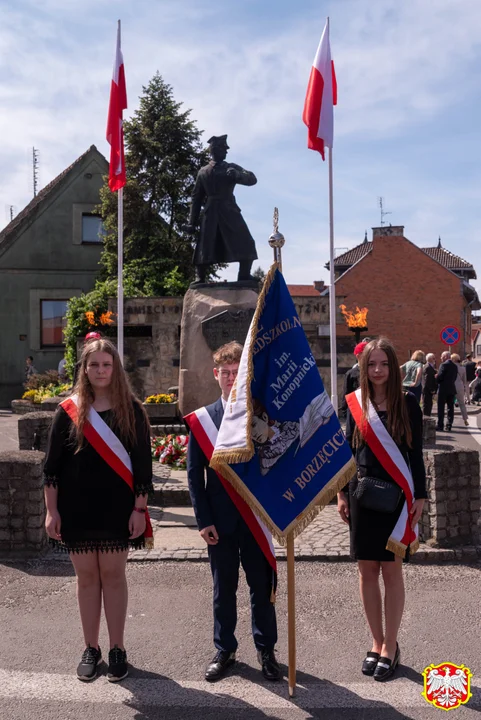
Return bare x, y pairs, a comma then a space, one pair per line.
447, 374
213, 506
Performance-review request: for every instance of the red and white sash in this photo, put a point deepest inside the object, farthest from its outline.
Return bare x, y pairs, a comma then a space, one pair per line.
110, 449
393, 462
205, 432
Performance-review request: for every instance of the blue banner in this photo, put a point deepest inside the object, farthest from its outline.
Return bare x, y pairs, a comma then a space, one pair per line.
280, 443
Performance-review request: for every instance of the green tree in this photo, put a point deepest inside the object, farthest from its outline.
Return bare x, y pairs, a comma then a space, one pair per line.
163, 155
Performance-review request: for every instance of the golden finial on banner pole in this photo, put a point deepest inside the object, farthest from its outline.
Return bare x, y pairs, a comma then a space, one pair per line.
277, 240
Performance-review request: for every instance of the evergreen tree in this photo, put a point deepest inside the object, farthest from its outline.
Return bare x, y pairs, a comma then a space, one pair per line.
163, 155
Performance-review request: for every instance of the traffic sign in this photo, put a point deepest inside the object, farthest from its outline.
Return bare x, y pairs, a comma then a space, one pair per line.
450, 335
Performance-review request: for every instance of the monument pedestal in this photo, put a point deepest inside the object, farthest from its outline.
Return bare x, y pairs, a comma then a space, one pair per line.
212, 315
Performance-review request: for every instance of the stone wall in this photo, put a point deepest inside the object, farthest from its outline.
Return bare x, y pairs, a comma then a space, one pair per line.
451, 513
33, 430
22, 507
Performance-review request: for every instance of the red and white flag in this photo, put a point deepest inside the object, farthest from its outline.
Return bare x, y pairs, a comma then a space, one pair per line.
321, 96
115, 132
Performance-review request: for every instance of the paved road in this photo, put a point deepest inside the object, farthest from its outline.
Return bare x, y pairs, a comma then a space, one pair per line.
169, 642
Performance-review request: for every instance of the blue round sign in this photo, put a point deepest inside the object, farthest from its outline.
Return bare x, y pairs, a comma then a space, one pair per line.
450, 335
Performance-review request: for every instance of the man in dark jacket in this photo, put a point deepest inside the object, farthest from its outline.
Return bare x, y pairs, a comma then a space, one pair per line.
224, 235
352, 378
470, 366
230, 542
446, 378
430, 385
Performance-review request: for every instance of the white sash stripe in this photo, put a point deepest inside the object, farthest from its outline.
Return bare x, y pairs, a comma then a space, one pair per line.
107, 435
211, 431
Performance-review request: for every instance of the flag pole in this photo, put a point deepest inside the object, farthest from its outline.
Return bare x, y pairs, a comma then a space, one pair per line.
332, 292
291, 615
120, 274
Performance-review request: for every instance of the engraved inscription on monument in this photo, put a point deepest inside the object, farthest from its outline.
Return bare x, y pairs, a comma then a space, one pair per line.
227, 326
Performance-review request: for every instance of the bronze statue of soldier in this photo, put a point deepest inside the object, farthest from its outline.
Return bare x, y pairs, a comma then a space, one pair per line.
224, 236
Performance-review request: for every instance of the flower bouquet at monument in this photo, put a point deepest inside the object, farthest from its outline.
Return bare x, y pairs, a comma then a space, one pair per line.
170, 450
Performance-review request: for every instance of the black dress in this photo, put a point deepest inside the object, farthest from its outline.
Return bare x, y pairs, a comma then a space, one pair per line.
94, 502
370, 530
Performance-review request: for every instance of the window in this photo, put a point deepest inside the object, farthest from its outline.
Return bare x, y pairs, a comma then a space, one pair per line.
478, 350
52, 322
93, 230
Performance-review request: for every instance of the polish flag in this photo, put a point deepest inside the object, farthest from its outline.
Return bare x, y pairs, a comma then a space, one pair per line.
115, 133
321, 96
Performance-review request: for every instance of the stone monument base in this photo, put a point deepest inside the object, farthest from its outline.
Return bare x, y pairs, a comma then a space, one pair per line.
212, 316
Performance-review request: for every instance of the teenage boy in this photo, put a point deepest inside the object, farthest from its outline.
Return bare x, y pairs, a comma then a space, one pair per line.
230, 542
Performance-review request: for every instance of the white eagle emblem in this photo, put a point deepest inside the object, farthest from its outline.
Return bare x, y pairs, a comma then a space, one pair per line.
447, 686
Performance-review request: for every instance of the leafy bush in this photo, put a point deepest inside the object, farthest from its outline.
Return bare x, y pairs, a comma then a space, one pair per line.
85, 313
36, 395
41, 380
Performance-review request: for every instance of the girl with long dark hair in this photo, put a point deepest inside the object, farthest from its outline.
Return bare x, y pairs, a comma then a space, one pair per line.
384, 501
98, 473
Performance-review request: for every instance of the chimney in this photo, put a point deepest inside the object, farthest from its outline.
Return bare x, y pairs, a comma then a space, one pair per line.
319, 285
388, 230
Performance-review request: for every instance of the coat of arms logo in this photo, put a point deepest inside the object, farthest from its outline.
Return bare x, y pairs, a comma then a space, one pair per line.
447, 686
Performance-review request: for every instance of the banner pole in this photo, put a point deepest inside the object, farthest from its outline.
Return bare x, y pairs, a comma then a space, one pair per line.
291, 615
120, 273
332, 293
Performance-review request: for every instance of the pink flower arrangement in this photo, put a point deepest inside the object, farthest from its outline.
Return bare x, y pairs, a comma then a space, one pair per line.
170, 450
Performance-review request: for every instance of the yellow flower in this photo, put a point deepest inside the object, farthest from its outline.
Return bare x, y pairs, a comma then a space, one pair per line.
106, 318
90, 317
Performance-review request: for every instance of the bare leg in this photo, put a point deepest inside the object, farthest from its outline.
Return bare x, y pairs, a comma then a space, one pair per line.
115, 594
371, 598
89, 595
393, 604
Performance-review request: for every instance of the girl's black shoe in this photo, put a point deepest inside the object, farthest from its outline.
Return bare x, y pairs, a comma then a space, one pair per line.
118, 669
87, 669
386, 667
369, 663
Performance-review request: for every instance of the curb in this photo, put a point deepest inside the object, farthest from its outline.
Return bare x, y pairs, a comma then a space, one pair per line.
425, 556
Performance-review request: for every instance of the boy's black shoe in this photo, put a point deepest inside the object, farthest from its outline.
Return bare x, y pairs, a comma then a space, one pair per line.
219, 665
118, 669
270, 666
87, 669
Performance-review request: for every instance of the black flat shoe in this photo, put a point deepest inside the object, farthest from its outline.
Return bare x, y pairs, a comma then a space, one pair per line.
386, 667
369, 663
269, 664
221, 662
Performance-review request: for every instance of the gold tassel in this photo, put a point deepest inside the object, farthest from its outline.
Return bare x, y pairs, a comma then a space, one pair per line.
149, 543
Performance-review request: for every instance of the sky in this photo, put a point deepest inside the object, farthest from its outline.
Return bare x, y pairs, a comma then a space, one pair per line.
406, 127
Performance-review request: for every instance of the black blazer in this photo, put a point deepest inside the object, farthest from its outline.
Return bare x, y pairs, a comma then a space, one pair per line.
429, 378
212, 505
447, 374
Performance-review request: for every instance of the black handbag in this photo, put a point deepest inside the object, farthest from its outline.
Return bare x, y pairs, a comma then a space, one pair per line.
379, 495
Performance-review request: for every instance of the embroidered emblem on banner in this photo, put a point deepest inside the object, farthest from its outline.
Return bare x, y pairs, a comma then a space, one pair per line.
447, 686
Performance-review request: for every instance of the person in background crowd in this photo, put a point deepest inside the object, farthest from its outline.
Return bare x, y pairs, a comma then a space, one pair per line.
430, 386
372, 524
446, 379
351, 379
412, 372
62, 375
462, 388
475, 387
470, 366
29, 368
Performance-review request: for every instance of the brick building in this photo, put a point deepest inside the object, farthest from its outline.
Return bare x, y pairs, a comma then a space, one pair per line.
411, 292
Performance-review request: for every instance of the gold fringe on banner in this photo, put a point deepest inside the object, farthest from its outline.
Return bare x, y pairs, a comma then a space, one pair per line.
322, 499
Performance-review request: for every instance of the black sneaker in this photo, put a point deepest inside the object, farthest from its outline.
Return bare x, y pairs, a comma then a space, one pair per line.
117, 665
87, 669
